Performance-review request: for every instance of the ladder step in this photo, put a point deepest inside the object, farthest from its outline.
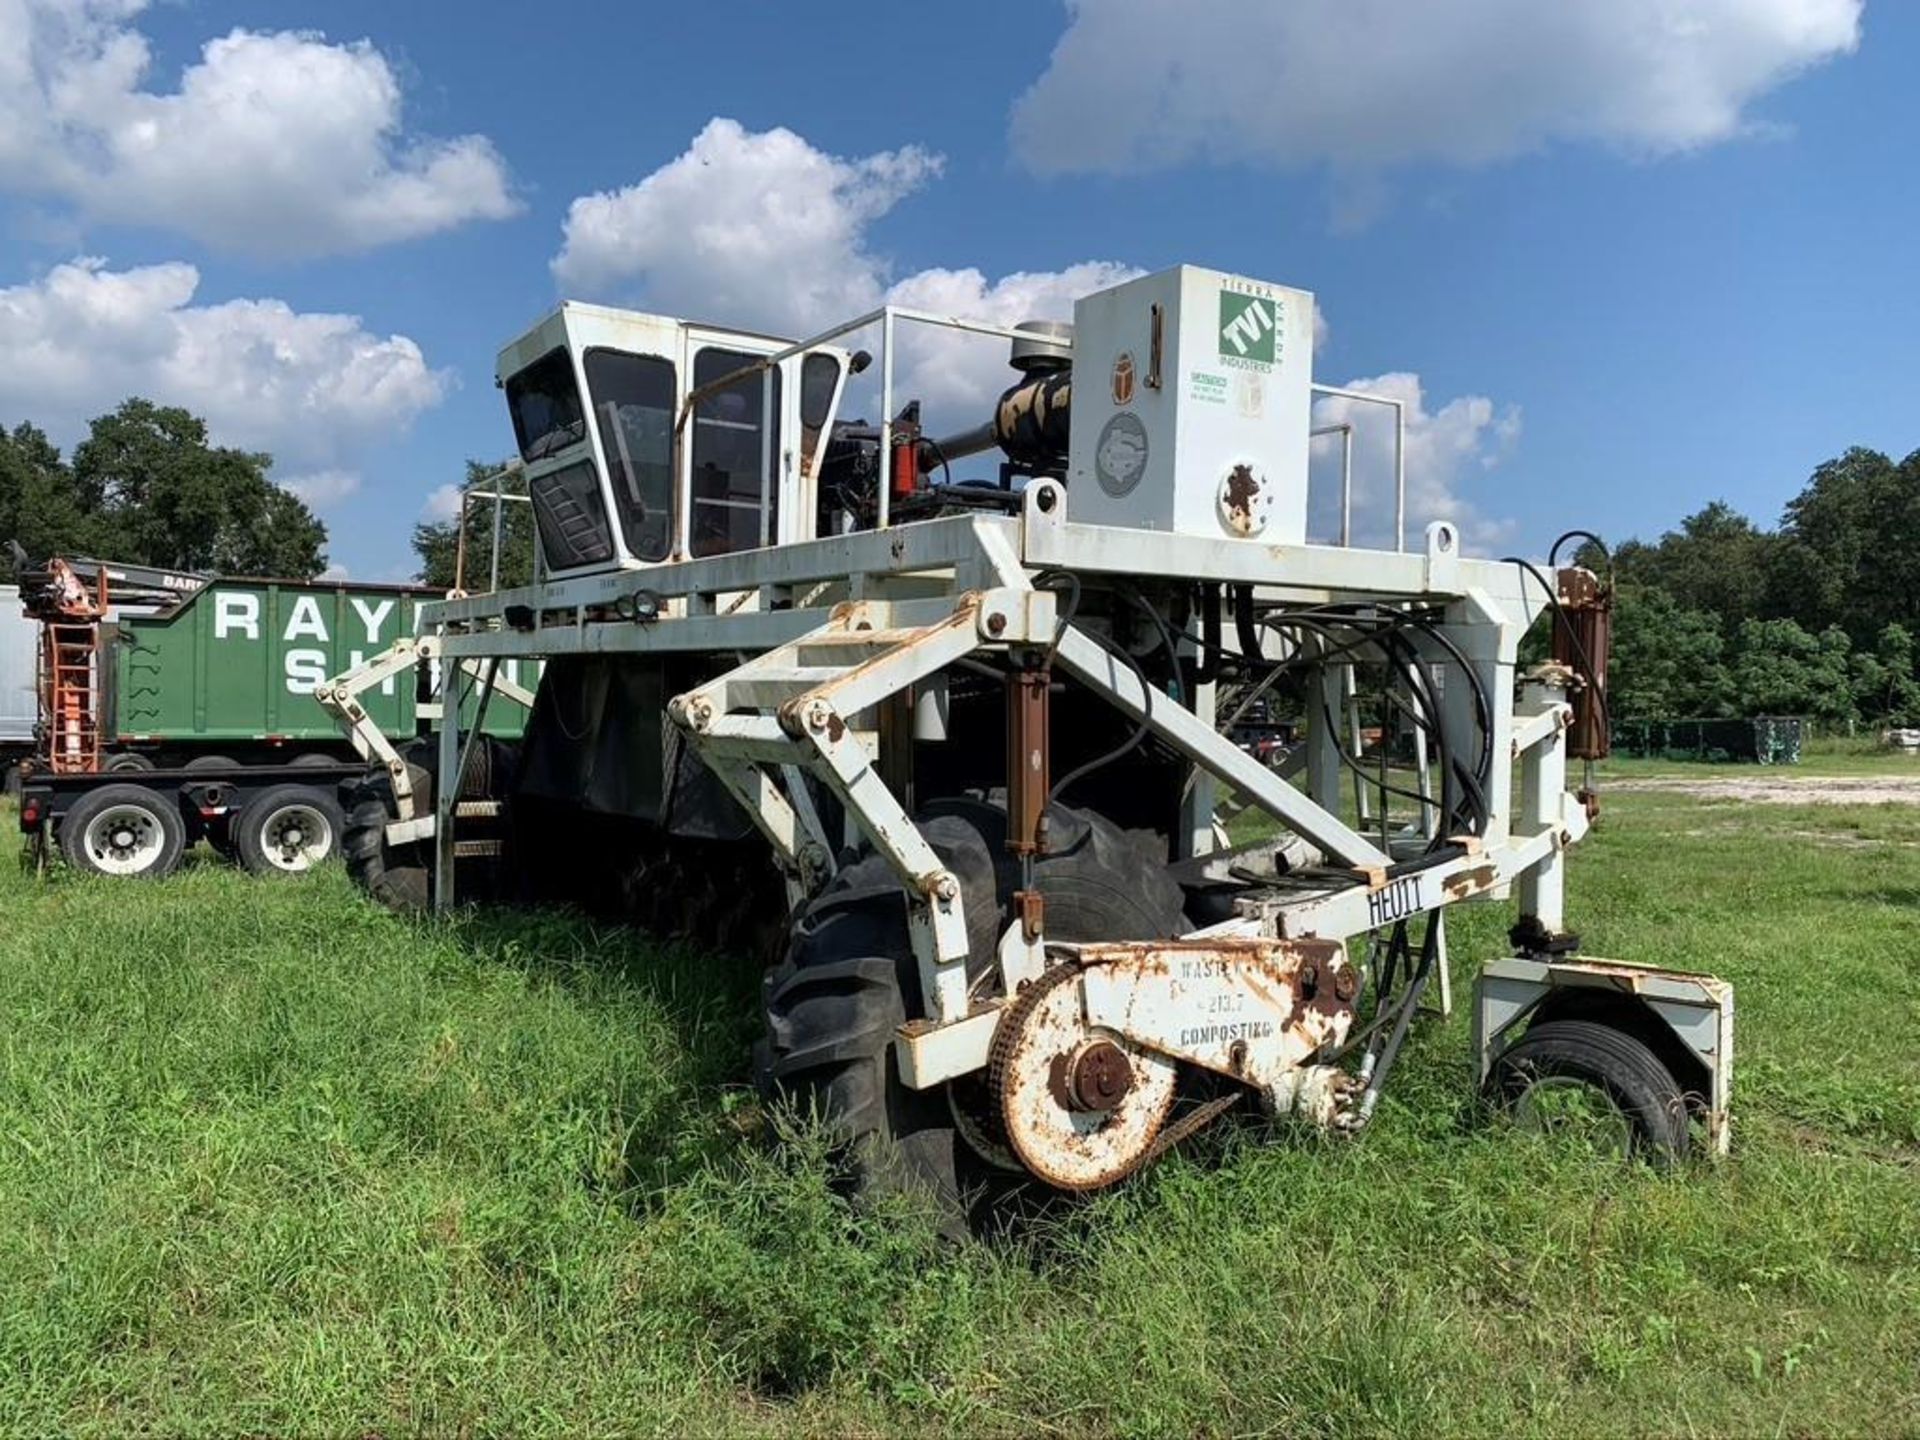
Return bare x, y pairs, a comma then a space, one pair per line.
476, 849
477, 809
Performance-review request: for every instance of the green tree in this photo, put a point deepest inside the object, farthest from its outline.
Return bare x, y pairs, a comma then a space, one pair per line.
166, 497
1850, 546
40, 505
1781, 669
436, 542
1717, 561
1667, 659
1885, 688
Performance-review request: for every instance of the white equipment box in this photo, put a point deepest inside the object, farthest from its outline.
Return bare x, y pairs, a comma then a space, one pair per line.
1192, 405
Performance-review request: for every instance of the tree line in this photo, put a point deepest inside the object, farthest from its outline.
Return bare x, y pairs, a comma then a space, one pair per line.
145, 488
1816, 617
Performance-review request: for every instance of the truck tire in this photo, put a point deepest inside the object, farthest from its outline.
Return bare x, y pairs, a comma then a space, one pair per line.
124, 830
1566, 1075
126, 762
288, 830
312, 759
211, 762
850, 980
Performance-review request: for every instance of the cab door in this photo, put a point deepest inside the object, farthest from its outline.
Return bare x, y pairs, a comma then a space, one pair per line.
739, 472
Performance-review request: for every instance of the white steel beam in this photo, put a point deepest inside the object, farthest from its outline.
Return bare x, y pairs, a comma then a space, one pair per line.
1093, 664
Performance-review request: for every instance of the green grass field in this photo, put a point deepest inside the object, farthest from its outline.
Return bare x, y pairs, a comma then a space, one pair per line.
272, 1160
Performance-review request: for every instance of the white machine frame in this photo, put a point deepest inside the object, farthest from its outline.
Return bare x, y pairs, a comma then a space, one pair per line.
831, 628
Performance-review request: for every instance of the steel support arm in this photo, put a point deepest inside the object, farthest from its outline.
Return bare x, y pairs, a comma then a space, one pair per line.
1096, 666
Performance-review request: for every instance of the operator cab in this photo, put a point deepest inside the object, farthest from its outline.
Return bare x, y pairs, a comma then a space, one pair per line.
618, 482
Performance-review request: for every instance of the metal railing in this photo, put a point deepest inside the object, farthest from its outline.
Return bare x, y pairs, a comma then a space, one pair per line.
1345, 428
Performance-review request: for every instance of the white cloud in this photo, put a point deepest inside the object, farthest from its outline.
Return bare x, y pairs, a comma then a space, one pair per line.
960, 376
1445, 447
318, 391
442, 505
764, 231
278, 144
322, 489
336, 571
1141, 84
745, 227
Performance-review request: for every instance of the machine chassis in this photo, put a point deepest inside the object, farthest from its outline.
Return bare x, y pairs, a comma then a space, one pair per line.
829, 633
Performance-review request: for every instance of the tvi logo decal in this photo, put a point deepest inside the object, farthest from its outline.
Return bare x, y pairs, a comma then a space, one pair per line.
1247, 329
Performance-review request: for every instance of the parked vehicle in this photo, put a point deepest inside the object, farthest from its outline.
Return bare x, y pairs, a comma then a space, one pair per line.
197, 720
958, 746
19, 642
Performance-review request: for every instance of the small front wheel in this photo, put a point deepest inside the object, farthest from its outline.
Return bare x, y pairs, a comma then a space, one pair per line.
288, 830
1592, 1084
124, 830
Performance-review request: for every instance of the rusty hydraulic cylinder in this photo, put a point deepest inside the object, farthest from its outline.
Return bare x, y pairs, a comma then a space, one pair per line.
1582, 642
1028, 776
1028, 781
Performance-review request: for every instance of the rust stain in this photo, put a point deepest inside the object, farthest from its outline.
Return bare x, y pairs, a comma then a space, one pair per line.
1469, 882
1243, 488
1059, 1080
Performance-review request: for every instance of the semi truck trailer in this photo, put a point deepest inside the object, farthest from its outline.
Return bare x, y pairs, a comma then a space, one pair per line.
196, 719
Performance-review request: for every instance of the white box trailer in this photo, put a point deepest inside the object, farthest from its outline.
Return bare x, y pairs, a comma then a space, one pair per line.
19, 642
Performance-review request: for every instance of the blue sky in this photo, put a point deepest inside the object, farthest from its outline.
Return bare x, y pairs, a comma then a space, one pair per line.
1632, 255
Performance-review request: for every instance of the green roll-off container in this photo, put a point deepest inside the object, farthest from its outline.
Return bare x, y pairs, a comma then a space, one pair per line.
233, 666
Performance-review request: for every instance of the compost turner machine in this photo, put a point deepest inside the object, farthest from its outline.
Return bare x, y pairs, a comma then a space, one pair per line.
960, 753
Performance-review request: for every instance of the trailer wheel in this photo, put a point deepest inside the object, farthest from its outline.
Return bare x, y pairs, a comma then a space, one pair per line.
1591, 1082
211, 762
127, 761
288, 830
124, 830
312, 759
850, 980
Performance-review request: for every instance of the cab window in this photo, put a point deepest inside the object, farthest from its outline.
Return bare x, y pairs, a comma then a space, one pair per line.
735, 495
819, 378
545, 404
570, 518
633, 405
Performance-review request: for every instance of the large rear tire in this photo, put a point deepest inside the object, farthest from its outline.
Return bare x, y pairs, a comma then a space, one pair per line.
400, 877
850, 980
